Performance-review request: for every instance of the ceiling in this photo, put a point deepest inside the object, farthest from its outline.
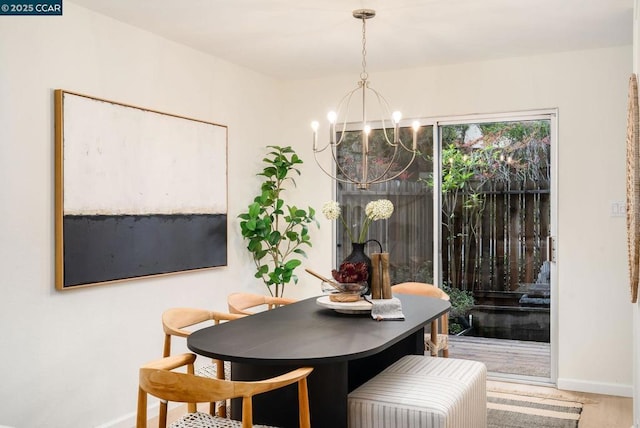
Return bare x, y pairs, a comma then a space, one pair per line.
298, 39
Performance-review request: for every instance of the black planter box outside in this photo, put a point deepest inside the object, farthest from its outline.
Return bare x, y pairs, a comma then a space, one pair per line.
511, 322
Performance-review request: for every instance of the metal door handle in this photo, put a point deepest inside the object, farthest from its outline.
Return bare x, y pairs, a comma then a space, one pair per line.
550, 249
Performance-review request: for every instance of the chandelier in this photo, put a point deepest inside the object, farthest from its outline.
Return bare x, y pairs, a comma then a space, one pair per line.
372, 167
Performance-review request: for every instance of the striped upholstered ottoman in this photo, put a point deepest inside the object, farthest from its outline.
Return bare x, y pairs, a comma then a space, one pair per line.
422, 392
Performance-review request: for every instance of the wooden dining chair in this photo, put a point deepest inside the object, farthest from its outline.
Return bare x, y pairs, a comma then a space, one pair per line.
239, 303
159, 379
174, 323
438, 339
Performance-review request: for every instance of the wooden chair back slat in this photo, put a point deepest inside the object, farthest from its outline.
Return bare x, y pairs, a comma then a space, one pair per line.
240, 303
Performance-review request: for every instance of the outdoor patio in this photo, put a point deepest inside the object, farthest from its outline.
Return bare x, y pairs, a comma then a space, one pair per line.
522, 358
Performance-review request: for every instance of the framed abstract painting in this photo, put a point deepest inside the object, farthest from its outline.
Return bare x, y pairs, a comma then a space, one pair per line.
137, 192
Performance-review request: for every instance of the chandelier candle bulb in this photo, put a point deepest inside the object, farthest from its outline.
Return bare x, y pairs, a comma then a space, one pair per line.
332, 117
314, 126
416, 127
396, 121
365, 148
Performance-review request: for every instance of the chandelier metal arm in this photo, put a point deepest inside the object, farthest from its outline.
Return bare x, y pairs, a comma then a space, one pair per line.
360, 184
396, 175
332, 129
345, 179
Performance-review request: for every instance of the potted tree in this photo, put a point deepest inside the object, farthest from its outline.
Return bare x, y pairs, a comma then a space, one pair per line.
276, 232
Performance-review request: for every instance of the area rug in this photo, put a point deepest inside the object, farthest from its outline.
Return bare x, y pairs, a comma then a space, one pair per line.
513, 410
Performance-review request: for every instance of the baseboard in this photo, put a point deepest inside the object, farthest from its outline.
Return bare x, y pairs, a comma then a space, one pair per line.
126, 421
129, 420
615, 389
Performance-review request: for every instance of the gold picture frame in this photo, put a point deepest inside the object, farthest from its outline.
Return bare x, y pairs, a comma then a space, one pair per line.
633, 188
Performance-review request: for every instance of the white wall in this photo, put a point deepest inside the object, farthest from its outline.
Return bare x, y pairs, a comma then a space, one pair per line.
70, 358
589, 90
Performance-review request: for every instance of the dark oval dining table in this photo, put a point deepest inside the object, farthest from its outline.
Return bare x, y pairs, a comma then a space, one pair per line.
345, 351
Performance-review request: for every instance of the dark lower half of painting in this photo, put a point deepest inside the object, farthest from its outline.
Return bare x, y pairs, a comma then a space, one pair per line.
112, 247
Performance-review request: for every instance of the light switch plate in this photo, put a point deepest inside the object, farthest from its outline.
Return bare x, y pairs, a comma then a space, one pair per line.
618, 209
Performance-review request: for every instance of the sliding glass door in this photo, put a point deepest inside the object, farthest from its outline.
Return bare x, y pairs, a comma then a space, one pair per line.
474, 215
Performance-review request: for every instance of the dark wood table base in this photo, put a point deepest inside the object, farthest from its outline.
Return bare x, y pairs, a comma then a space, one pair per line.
329, 385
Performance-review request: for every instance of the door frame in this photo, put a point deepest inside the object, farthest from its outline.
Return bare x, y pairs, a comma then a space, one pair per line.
550, 114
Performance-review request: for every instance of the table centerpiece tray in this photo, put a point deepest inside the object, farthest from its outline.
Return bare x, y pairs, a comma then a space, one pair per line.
359, 307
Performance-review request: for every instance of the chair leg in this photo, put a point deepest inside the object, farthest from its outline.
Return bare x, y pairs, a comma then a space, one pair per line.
304, 415
445, 330
433, 344
141, 417
222, 409
162, 414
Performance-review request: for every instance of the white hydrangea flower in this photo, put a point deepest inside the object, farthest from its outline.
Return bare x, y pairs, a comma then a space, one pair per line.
376, 210
331, 210
379, 210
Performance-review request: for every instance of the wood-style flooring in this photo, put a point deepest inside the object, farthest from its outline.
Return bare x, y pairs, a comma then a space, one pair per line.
598, 411
529, 362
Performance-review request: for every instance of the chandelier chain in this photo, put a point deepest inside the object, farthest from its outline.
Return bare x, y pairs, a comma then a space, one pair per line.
364, 75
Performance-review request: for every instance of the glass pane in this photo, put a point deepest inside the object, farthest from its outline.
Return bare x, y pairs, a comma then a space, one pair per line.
408, 235
495, 219
495, 203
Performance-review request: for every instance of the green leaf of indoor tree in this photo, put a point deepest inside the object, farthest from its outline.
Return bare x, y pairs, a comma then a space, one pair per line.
275, 237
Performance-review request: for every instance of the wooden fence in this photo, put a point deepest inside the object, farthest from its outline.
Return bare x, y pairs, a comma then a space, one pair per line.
407, 236
500, 245
496, 246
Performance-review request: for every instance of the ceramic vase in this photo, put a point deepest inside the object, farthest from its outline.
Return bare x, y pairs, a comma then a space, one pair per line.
358, 255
